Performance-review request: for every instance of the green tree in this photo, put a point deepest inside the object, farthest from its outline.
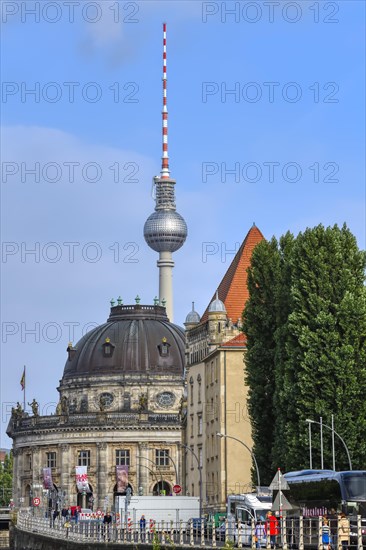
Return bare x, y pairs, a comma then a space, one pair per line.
6, 480
305, 323
259, 321
283, 409
324, 371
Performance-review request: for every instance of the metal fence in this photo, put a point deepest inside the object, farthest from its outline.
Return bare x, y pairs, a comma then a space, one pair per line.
294, 533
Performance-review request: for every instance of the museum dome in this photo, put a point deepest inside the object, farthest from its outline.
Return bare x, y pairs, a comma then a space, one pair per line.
136, 339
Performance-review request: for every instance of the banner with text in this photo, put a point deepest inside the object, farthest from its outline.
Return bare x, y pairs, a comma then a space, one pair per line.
122, 478
47, 478
82, 479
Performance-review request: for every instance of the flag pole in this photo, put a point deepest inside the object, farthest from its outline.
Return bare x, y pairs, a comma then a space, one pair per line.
24, 391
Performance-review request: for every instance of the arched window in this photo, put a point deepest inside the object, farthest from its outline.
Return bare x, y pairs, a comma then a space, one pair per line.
162, 488
89, 499
116, 494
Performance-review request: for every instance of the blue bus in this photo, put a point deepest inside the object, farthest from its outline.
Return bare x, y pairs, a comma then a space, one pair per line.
315, 493
318, 492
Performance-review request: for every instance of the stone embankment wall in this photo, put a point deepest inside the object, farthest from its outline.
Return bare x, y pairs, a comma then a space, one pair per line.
23, 540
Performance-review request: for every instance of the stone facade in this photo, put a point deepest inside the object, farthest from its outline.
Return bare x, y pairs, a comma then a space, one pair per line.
109, 414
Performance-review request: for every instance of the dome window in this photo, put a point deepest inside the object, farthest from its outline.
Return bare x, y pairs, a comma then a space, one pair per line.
164, 348
108, 348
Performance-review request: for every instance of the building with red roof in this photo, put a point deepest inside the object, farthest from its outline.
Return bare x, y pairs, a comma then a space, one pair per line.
216, 390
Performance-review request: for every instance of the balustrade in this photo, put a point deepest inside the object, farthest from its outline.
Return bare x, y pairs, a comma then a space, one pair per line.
294, 533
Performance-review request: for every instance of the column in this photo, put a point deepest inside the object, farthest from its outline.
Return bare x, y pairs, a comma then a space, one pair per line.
102, 476
65, 477
143, 472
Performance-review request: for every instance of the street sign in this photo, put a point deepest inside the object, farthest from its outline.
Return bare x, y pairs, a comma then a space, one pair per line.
36, 501
177, 489
281, 503
279, 483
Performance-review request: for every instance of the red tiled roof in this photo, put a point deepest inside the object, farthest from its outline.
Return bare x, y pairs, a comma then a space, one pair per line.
238, 342
233, 289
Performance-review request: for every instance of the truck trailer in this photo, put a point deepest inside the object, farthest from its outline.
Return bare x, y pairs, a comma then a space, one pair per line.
157, 509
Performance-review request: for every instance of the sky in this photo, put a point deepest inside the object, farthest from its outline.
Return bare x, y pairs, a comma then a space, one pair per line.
266, 126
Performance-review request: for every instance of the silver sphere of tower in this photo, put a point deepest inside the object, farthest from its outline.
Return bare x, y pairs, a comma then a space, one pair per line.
165, 231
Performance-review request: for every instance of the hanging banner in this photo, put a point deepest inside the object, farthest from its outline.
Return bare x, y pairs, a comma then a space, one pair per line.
82, 479
47, 478
122, 478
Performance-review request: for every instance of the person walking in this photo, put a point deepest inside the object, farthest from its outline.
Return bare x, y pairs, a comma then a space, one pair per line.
64, 514
107, 521
271, 527
142, 528
55, 515
326, 539
260, 534
343, 531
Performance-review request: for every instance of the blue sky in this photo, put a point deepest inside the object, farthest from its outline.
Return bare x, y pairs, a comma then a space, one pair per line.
266, 125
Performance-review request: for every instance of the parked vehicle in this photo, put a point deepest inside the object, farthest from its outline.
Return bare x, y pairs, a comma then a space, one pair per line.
197, 525
249, 506
156, 509
220, 531
315, 493
246, 508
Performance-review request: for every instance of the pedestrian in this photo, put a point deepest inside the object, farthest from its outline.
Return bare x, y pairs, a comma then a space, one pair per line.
64, 514
272, 528
260, 534
55, 515
333, 517
107, 520
326, 538
67, 526
142, 527
344, 531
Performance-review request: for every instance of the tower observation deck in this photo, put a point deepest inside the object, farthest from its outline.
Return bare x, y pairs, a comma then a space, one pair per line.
165, 230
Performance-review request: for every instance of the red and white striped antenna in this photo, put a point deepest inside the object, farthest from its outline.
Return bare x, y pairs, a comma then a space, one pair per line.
165, 158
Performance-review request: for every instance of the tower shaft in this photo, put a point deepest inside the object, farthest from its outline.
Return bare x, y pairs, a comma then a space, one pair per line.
165, 264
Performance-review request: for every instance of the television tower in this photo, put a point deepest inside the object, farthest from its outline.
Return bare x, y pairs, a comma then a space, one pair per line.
165, 230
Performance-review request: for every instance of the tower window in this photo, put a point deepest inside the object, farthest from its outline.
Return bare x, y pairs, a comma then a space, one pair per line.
84, 458
51, 459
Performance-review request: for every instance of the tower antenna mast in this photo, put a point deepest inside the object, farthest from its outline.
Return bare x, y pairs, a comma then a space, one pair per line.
165, 158
165, 230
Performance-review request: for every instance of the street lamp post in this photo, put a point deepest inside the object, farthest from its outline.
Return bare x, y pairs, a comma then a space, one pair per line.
167, 455
199, 471
246, 446
333, 450
310, 450
321, 444
335, 433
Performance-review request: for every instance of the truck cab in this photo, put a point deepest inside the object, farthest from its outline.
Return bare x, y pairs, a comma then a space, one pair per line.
246, 508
